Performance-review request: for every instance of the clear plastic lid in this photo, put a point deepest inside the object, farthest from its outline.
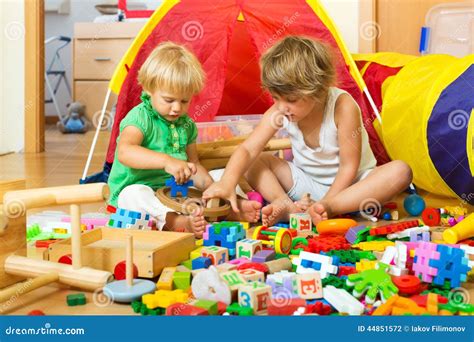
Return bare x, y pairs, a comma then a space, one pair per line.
451, 29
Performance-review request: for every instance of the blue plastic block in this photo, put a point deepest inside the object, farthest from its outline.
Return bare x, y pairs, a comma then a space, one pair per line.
201, 262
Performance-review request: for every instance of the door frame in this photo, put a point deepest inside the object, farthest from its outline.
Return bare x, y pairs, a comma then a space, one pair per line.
34, 76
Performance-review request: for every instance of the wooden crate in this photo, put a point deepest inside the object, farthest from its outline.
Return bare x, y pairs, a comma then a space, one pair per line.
104, 247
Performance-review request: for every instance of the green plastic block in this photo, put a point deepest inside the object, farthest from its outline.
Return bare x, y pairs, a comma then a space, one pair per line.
188, 263
182, 280
208, 305
76, 299
235, 308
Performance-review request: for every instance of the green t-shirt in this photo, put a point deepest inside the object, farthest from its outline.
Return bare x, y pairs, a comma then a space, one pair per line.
159, 135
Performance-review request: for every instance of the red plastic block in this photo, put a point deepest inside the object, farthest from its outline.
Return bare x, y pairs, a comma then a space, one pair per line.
180, 309
44, 243
286, 307
254, 265
318, 308
346, 270
36, 313
407, 284
393, 228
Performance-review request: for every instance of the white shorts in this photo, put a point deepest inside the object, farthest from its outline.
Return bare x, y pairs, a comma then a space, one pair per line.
141, 198
304, 183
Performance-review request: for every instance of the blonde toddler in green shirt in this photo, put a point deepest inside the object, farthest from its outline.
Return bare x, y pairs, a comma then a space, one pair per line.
158, 140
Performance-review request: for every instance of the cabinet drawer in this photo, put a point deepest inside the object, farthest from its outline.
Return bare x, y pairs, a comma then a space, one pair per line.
96, 59
92, 95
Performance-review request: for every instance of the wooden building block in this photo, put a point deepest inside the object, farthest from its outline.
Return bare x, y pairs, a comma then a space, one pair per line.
255, 295
309, 285
250, 275
248, 248
218, 255
301, 222
165, 282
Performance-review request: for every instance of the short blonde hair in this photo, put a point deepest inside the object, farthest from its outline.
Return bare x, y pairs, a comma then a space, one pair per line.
173, 68
297, 66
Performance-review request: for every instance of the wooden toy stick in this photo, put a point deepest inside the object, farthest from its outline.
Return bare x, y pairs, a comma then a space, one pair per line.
62, 195
85, 278
27, 286
76, 236
129, 260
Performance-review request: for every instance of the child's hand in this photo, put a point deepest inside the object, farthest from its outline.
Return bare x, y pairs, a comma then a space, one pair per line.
220, 190
180, 169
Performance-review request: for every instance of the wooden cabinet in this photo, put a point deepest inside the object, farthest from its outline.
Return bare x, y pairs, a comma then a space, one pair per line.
400, 23
97, 50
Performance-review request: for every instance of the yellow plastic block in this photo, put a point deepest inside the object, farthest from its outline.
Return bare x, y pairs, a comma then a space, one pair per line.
373, 245
164, 298
432, 304
196, 253
364, 265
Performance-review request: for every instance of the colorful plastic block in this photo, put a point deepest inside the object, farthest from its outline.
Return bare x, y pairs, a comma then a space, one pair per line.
180, 309
310, 262
182, 280
201, 262
164, 298
76, 299
176, 189
342, 301
424, 253
236, 309
284, 307
451, 265
264, 256
373, 282
208, 305
224, 234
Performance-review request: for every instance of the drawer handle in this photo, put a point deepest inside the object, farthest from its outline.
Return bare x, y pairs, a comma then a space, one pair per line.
102, 59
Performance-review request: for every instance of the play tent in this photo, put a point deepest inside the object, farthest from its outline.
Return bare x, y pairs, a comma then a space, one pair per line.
228, 37
426, 106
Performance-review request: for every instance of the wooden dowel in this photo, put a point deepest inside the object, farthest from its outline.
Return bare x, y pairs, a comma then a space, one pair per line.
76, 236
62, 195
27, 286
84, 278
226, 151
129, 260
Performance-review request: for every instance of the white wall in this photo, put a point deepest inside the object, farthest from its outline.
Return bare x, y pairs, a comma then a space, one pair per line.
345, 14
12, 76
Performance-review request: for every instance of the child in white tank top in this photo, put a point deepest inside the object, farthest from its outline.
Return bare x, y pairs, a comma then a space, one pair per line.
332, 161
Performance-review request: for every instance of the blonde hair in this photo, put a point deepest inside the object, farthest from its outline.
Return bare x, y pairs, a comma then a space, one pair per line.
173, 68
297, 66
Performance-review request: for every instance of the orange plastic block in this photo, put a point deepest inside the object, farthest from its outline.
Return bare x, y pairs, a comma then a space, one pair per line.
386, 308
432, 304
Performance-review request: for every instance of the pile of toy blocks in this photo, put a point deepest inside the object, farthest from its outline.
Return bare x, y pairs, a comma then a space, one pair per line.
400, 268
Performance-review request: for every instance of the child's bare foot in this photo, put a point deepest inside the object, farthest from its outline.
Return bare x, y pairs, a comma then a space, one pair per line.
192, 223
319, 211
278, 210
249, 211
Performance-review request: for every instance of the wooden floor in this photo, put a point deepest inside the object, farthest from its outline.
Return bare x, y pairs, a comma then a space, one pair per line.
61, 164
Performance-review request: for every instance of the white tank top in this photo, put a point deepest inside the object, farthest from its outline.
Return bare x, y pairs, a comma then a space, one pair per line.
322, 163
